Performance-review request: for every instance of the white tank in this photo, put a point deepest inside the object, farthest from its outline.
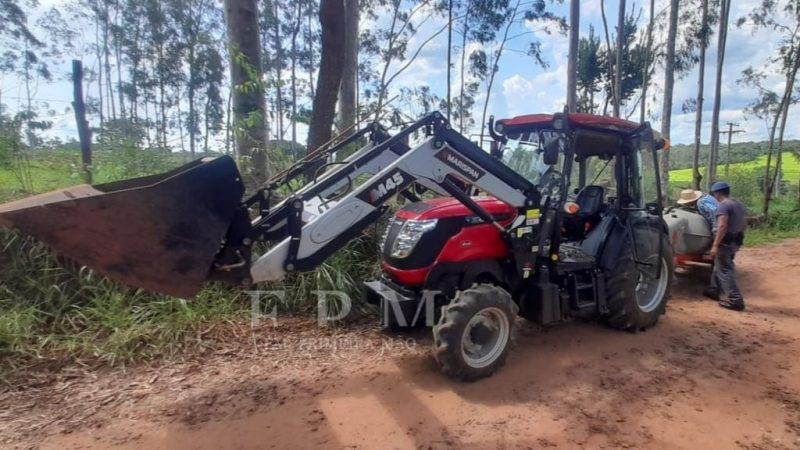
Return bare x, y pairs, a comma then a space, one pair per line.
689, 231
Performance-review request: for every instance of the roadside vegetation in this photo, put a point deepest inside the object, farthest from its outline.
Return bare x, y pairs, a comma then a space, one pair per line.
54, 312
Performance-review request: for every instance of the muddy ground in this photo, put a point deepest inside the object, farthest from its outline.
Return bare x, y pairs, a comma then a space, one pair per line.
703, 378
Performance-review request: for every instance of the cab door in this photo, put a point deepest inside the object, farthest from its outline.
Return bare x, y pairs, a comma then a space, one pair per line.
644, 204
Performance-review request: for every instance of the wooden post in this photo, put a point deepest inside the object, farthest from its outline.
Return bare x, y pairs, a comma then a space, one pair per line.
84, 133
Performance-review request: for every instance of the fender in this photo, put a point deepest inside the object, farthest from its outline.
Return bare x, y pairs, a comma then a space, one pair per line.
450, 277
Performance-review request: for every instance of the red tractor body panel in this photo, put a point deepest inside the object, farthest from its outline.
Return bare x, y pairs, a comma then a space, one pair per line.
531, 122
473, 242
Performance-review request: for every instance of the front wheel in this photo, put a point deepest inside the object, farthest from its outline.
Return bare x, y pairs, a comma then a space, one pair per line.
474, 332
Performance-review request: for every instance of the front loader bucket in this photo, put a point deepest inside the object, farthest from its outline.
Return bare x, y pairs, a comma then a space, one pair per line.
159, 233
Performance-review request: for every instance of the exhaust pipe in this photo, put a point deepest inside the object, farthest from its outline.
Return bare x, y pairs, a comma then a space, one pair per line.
159, 233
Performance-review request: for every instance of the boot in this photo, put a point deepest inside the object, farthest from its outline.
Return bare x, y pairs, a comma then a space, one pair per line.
735, 306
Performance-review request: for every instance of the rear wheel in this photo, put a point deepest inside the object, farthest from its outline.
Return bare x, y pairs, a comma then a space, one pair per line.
474, 332
636, 298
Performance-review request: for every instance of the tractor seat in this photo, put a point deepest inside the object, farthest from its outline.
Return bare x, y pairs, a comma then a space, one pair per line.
590, 205
590, 200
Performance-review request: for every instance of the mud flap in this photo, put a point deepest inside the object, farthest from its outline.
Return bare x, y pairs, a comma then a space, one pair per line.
159, 233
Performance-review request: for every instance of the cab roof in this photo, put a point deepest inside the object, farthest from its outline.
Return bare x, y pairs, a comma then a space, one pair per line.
536, 122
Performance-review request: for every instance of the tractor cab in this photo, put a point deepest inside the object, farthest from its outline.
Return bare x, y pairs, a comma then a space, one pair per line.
605, 165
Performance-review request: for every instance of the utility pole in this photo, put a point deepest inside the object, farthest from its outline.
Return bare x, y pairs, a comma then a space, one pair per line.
730, 133
84, 133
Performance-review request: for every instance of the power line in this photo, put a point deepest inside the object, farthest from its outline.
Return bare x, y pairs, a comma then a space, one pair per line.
36, 99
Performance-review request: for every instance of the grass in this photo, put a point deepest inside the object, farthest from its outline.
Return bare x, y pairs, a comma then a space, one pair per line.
48, 170
783, 223
790, 167
52, 311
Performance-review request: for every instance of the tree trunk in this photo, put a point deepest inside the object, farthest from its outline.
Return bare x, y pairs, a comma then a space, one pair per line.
107, 62
494, 67
310, 49
388, 61
249, 109
347, 89
609, 92
331, 17
180, 126
646, 77
669, 84
711, 170
206, 125
449, 56
99, 55
228, 122
191, 122
295, 31
118, 56
572, 64
618, 62
461, 109
782, 113
278, 69
698, 121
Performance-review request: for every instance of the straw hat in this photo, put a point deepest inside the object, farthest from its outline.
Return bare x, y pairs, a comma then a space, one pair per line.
689, 196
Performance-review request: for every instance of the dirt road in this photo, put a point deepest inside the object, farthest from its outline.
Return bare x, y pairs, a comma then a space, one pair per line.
703, 378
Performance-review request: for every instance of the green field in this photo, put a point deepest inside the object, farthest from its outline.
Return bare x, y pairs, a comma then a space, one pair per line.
43, 171
791, 169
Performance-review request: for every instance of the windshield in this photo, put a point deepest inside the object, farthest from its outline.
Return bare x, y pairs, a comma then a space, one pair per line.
525, 158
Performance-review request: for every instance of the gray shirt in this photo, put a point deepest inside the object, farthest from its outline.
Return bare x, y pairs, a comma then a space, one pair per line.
736, 213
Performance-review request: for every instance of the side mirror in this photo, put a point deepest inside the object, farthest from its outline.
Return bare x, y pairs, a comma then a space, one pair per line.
551, 150
653, 208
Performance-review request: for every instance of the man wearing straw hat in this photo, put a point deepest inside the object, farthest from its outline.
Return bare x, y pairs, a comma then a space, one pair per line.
705, 204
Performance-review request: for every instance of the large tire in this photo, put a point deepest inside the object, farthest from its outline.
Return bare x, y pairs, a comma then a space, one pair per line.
630, 312
474, 332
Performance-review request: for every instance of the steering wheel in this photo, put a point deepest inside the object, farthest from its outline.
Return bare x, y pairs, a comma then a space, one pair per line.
550, 184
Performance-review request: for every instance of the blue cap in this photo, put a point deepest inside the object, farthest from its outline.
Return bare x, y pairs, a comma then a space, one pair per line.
720, 186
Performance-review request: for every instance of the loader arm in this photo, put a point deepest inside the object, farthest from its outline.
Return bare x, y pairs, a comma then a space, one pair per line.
442, 156
320, 193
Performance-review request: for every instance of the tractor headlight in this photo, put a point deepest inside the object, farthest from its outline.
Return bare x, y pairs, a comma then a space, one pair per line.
409, 235
385, 235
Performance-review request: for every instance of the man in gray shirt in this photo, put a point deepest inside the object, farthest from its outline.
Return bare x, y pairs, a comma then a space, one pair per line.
731, 223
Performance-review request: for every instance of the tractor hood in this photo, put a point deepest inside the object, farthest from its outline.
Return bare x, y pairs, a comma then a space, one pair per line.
446, 207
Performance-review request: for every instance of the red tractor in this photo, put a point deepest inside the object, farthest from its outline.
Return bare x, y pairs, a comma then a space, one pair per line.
568, 224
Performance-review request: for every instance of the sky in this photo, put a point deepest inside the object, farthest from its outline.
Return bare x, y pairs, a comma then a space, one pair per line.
522, 87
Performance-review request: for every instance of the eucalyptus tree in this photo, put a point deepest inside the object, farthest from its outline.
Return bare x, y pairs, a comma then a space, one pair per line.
198, 32
515, 13
249, 109
782, 18
388, 49
589, 71
722, 36
23, 58
669, 85
478, 23
323, 111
